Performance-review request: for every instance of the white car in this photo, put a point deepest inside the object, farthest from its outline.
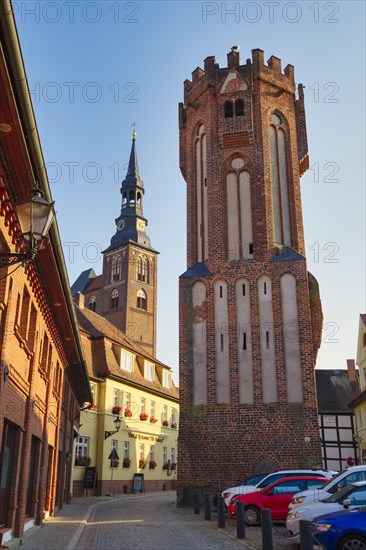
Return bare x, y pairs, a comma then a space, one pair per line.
230, 493
351, 496
351, 475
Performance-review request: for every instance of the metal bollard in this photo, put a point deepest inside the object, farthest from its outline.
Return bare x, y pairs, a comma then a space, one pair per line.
240, 520
186, 497
221, 514
207, 506
306, 536
267, 543
196, 506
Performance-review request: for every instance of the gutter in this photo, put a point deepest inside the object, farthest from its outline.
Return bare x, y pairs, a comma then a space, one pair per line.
20, 84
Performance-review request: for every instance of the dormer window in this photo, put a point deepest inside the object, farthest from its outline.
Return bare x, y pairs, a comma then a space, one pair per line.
149, 369
167, 379
126, 361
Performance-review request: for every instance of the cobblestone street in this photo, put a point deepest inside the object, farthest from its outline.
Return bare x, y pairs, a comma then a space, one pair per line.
141, 522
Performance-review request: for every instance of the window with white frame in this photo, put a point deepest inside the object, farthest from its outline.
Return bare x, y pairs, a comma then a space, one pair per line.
172, 455
152, 408
142, 404
149, 370
165, 412
115, 396
151, 453
126, 449
165, 455
92, 387
126, 361
82, 446
127, 400
166, 379
174, 417
142, 451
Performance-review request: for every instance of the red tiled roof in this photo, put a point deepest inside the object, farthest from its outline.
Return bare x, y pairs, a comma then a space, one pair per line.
94, 284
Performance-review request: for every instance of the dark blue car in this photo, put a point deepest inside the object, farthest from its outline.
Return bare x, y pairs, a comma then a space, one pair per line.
344, 530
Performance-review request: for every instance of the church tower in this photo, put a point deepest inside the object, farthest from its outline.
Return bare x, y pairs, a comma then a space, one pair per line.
129, 280
250, 313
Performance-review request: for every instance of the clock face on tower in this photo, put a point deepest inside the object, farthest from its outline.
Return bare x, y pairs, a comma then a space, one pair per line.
120, 224
140, 225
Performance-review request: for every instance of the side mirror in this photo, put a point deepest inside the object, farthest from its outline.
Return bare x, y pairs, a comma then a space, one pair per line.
346, 503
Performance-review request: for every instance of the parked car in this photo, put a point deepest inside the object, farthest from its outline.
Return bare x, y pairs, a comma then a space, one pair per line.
356, 473
345, 530
352, 496
275, 496
230, 493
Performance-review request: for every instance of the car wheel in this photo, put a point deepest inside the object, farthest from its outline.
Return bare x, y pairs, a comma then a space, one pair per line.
252, 515
352, 542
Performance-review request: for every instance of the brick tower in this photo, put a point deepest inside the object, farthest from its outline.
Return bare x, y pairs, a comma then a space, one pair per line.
126, 292
250, 313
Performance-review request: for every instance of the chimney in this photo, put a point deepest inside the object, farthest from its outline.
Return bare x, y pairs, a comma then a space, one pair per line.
351, 367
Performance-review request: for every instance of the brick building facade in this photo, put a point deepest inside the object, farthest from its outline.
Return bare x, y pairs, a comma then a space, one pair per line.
43, 379
250, 314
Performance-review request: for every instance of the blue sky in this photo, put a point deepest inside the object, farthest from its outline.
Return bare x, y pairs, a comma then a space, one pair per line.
95, 66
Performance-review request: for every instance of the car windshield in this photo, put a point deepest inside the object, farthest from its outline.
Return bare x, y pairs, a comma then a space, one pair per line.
331, 481
253, 480
339, 494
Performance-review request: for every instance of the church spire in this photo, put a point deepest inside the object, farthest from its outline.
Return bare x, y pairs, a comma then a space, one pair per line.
133, 166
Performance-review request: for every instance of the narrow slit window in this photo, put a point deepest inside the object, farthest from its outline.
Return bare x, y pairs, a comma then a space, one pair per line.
265, 287
222, 342
239, 107
229, 109
243, 287
250, 248
267, 339
220, 291
244, 340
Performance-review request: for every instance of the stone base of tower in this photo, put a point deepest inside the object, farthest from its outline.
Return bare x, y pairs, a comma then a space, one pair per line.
221, 445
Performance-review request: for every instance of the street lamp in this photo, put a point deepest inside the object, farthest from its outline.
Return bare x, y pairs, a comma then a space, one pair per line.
117, 423
35, 217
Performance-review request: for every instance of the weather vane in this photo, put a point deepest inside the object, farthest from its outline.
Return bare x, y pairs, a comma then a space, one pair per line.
134, 127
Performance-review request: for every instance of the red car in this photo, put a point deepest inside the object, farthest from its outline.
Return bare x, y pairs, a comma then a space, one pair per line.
276, 497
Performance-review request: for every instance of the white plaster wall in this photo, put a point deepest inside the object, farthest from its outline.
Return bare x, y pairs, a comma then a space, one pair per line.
199, 348
221, 334
245, 214
269, 381
245, 362
232, 217
291, 338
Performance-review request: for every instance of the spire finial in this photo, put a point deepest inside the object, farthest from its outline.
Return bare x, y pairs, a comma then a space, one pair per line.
134, 134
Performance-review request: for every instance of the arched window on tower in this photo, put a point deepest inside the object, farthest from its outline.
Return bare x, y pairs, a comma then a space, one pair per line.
132, 198
229, 109
114, 299
239, 107
280, 195
139, 198
142, 269
116, 269
142, 299
124, 199
92, 303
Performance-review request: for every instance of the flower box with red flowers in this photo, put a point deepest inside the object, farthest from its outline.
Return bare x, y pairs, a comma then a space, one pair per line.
82, 460
174, 425
165, 422
144, 416
116, 409
126, 462
142, 463
152, 464
153, 420
128, 413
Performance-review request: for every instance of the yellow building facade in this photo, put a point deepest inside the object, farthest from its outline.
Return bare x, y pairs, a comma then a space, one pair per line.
359, 402
135, 414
